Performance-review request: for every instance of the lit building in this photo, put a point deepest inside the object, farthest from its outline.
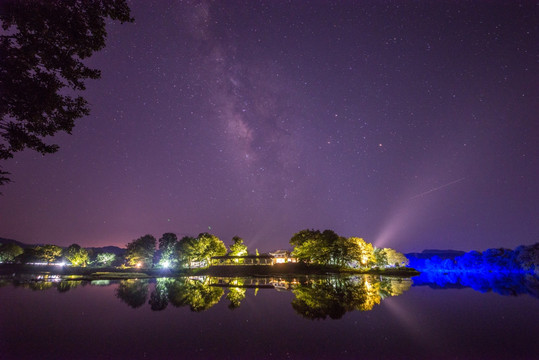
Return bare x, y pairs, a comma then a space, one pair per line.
282, 256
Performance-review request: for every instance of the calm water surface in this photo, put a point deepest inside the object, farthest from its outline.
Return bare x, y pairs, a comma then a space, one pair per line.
359, 317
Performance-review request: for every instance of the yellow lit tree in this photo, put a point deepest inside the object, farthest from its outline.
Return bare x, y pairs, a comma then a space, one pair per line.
76, 255
360, 251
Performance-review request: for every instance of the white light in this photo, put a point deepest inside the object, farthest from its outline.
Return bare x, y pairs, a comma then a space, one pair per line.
166, 264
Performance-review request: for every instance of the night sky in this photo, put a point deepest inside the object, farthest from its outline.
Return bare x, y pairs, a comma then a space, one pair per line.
412, 124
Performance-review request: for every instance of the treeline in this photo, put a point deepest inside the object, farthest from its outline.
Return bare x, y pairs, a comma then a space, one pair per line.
74, 255
186, 252
521, 259
144, 252
328, 248
309, 246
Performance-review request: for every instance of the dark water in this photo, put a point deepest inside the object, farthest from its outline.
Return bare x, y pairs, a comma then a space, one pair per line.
359, 317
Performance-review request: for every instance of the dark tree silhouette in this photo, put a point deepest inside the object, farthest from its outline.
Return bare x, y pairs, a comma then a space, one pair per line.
42, 45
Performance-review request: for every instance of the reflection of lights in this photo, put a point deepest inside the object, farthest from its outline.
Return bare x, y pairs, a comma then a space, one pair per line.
368, 285
50, 264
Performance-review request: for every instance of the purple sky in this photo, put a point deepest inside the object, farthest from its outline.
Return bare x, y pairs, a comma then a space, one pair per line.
411, 124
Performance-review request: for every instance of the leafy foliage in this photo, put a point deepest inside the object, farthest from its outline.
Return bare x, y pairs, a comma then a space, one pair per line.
389, 257
48, 253
328, 248
503, 283
333, 297
200, 249
195, 294
360, 251
167, 246
133, 292
140, 252
76, 255
159, 296
41, 53
521, 259
8, 252
105, 259
238, 248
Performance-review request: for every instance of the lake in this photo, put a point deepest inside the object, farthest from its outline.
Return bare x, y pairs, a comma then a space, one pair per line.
319, 317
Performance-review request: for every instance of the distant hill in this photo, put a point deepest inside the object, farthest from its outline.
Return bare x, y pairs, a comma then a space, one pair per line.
97, 250
11, 241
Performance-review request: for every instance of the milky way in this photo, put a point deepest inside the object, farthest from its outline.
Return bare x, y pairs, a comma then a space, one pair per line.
411, 124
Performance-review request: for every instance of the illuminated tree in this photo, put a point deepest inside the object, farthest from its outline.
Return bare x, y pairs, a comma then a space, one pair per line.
48, 253
167, 246
361, 251
8, 252
105, 259
307, 251
76, 255
41, 53
200, 249
140, 252
186, 250
380, 257
313, 246
212, 246
395, 258
238, 248
305, 244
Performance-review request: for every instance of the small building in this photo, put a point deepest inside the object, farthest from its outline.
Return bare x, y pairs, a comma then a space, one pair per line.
282, 257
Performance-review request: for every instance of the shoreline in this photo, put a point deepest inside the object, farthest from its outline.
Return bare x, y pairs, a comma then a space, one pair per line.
111, 273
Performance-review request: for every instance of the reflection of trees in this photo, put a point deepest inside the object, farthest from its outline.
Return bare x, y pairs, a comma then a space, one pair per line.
38, 285
45, 282
66, 285
502, 283
198, 295
133, 292
159, 297
235, 296
394, 286
236, 293
334, 296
